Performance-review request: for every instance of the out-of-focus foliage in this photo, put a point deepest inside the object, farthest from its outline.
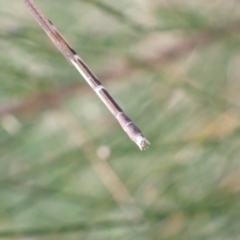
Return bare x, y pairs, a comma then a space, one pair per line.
68, 171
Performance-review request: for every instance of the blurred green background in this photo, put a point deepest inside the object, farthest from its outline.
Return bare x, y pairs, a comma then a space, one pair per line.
67, 169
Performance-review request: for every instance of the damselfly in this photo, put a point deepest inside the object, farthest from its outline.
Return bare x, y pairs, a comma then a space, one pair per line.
126, 123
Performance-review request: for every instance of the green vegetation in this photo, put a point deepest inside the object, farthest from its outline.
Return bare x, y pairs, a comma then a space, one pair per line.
68, 171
